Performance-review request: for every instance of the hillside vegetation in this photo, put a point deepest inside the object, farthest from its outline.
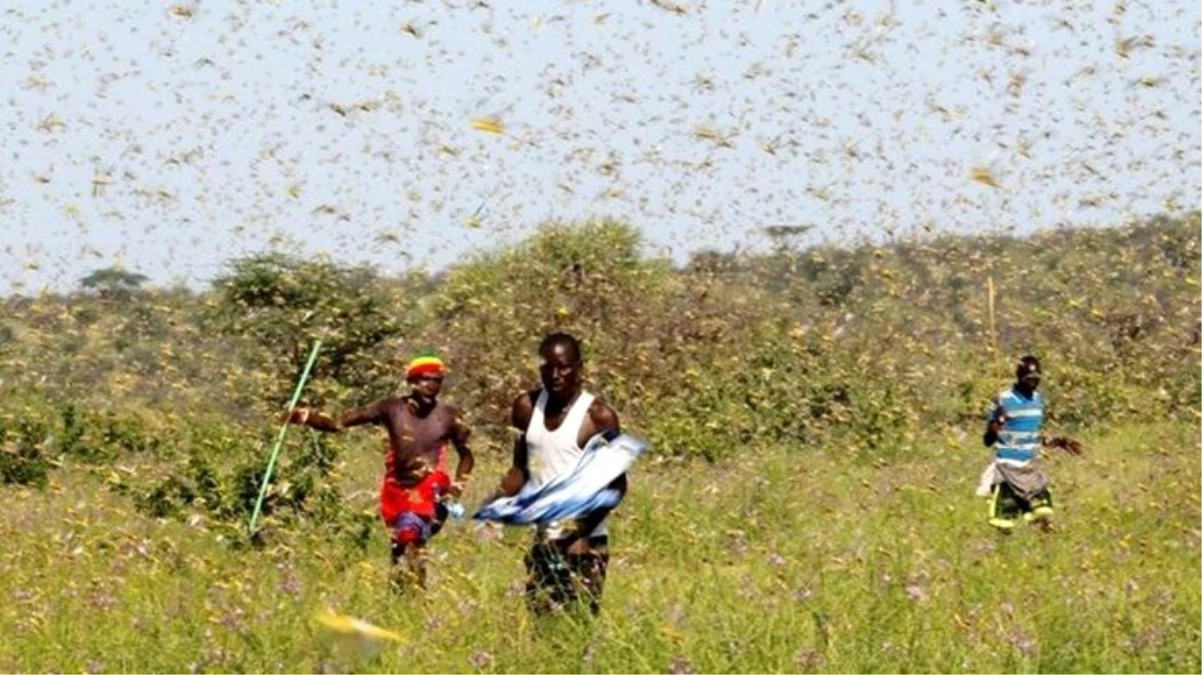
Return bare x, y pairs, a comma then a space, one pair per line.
815, 416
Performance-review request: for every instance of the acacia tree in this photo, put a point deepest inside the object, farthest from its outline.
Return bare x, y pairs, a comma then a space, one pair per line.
113, 283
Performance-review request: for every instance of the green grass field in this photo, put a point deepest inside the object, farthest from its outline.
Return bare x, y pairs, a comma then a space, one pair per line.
788, 559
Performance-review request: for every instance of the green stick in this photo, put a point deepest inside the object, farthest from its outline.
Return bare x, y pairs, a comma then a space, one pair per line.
992, 319
275, 451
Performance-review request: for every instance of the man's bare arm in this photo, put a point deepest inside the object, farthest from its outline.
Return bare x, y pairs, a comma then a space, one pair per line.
514, 479
1065, 443
518, 474
1069, 445
460, 433
995, 424
304, 416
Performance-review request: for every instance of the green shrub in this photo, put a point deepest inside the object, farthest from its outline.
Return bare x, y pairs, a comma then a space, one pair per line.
23, 457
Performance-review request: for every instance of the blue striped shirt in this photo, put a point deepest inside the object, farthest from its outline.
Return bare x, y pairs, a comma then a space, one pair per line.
1018, 440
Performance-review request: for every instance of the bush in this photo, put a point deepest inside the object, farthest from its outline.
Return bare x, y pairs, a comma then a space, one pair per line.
23, 459
222, 474
282, 304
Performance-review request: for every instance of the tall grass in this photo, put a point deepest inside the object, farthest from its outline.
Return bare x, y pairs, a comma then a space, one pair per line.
776, 560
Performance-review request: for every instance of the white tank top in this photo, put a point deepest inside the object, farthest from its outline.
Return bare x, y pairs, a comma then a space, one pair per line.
551, 453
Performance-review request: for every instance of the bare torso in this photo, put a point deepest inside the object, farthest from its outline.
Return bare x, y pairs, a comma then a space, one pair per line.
418, 441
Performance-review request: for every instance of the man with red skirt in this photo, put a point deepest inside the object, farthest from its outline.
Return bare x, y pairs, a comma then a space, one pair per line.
420, 427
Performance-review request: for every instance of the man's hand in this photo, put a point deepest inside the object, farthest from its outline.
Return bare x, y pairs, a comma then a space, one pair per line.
512, 482
457, 487
580, 547
1000, 417
299, 415
1067, 444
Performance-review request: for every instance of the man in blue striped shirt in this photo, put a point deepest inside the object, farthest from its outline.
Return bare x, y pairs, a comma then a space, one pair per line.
1015, 423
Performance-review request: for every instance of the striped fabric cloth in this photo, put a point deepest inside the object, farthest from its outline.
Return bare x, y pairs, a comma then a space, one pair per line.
1018, 440
583, 489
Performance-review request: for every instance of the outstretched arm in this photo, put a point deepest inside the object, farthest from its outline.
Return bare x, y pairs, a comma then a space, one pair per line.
1065, 443
307, 417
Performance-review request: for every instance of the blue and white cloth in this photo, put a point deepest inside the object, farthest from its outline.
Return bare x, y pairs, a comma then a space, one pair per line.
583, 489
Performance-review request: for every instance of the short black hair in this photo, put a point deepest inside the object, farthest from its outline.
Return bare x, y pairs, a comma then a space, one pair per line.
562, 340
1025, 365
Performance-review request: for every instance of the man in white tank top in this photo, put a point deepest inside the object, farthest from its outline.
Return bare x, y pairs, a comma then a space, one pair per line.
556, 422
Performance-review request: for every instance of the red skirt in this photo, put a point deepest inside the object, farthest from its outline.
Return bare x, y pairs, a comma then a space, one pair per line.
419, 499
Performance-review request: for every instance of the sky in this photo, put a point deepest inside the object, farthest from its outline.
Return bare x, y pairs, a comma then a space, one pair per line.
171, 137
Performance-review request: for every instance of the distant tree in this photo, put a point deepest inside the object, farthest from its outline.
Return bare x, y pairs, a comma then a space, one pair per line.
283, 303
113, 283
779, 268
784, 237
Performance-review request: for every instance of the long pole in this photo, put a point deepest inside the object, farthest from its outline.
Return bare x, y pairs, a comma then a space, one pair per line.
279, 441
992, 320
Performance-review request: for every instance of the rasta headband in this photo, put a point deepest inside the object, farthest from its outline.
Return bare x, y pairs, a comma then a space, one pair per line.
425, 364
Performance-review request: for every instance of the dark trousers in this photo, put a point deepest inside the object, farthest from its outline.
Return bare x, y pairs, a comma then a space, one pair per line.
555, 579
1008, 505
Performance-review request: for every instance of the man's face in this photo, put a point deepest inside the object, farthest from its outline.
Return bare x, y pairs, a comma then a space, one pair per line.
560, 370
1030, 377
427, 387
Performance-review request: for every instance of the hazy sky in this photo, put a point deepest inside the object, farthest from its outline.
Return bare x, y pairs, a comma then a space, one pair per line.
223, 128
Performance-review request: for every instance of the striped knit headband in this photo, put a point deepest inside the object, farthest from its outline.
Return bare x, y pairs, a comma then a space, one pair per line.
425, 365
